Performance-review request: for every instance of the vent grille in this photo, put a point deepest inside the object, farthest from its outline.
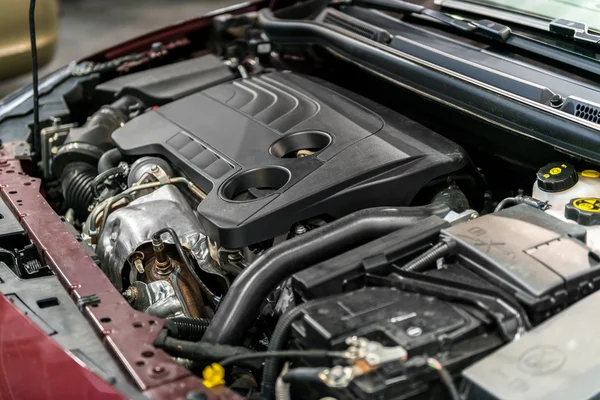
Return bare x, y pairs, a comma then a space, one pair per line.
199, 155
587, 112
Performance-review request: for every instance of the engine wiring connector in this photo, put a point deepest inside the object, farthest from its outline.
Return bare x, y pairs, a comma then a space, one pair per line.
523, 199
364, 356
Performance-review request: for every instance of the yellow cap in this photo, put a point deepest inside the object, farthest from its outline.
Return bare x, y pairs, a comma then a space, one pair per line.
213, 375
590, 173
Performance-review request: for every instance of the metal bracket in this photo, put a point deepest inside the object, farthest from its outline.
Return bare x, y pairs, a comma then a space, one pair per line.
85, 301
52, 137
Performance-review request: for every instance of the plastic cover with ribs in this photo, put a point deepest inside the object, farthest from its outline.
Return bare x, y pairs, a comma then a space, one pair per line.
278, 148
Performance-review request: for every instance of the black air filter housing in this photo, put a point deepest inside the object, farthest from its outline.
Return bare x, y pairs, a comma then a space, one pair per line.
279, 148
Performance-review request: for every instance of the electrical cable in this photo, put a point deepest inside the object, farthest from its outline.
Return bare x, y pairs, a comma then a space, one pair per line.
445, 377
199, 351
278, 340
101, 178
34, 72
302, 374
284, 354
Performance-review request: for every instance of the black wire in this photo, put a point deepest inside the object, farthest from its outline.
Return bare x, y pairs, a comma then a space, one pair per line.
34, 71
447, 380
99, 180
212, 297
286, 354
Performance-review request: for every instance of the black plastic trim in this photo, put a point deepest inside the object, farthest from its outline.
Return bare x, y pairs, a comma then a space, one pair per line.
471, 97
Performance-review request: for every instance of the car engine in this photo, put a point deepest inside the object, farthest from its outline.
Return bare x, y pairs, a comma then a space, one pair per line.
302, 231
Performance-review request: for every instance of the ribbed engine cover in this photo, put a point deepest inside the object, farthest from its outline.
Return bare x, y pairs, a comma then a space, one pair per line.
279, 148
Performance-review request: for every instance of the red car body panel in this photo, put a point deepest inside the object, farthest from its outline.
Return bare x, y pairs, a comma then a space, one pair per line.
33, 366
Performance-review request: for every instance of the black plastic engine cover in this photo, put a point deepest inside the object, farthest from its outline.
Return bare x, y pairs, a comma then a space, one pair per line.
239, 142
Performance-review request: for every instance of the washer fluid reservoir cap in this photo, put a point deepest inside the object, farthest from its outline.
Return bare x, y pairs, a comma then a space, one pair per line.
556, 177
584, 210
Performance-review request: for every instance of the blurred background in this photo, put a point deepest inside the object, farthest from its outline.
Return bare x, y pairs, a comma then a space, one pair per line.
83, 27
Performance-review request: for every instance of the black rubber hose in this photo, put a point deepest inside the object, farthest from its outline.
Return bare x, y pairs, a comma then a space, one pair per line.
99, 180
77, 182
109, 159
425, 260
303, 374
240, 307
277, 342
200, 351
186, 328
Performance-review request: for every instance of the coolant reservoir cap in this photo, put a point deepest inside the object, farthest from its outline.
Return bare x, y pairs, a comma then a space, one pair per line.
556, 177
584, 210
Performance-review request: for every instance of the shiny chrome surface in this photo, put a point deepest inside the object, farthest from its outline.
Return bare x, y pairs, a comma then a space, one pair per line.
132, 226
157, 298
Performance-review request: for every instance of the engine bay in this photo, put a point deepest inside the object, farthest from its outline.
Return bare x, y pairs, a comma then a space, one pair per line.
263, 213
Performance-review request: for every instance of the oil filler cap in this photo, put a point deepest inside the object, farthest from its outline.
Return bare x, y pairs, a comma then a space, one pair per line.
584, 210
556, 177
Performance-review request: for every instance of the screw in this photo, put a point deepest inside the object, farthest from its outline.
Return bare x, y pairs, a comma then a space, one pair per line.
139, 265
337, 372
372, 359
414, 331
130, 294
556, 100
157, 47
158, 369
233, 257
154, 168
300, 229
137, 259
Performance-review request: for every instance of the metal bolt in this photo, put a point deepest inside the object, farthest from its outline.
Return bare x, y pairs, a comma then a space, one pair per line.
154, 168
137, 259
414, 331
158, 369
556, 100
139, 266
337, 372
372, 359
157, 47
233, 257
300, 229
130, 294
